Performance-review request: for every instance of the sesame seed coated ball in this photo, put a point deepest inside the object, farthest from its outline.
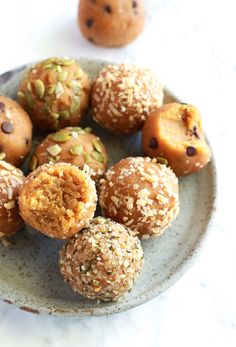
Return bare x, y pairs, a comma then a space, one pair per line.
58, 200
123, 96
11, 179
73, 145
103, 261
141, 194
56, 93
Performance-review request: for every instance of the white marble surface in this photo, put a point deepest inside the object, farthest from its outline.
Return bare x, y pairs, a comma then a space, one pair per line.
191, 46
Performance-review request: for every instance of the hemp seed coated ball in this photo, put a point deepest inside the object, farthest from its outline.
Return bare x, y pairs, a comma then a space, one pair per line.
175, 132
123, 97
111, 23
56, 93
58, 200
103, 261
73, 145
141, 194
11, 179
15, 132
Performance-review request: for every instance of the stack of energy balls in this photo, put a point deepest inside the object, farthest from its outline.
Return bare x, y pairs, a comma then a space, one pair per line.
138, 196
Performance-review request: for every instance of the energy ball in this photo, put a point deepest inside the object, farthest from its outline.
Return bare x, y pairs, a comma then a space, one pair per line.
56, 93
123, 97
58, 200
73, 145
141, 194
15, 132
175, 132
11, 179
103, 261
111, 23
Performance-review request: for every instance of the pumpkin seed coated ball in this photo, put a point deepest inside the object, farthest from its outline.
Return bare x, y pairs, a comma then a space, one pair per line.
103, 261
56, 93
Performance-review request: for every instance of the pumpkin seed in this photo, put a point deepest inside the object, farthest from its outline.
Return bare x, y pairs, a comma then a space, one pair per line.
77, 73
54, 150
29, 87
76, 149
2, 155
51, 89
21, 95
61, 136
59, 88
33, 163
64, 114
75, 104
97, 146
87, 158
162, 160
88, 130
58, 68
39, 88
55, 115
29, 101
62, 76
98, 156
47, 67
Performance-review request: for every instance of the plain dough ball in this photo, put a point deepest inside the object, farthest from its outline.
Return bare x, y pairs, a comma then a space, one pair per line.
15, 132
111, 23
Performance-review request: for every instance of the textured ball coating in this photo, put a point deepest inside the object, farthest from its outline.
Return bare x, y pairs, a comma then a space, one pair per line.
56, 93
175, 132
11, 179
111, 23
73, 145
123, 97
58, 200
15, 132
141, 194
103, 261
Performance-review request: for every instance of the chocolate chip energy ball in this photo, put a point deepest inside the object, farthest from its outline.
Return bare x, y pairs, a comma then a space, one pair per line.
141, 194
15, 132
103, 261
11, 179
123, 97
73, 145
55, 92
58, 200
175, 132
111, 23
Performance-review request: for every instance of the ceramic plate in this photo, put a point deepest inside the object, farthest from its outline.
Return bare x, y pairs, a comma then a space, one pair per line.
29, 275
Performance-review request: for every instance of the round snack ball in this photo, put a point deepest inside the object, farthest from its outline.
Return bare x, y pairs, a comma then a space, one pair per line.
103, 261
175, 132
11, 179
123, 96
58, 200
15, 132
73, 145
56, 93
141, 194
111, 23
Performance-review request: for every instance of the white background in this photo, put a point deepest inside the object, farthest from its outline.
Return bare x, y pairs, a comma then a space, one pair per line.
191, 46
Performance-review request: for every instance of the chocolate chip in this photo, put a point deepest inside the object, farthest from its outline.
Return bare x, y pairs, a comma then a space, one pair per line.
2, 107
134, 4
7, 127
27, 141
195, 133
153, 143
191, 151
91, 39
108, 9
89, 22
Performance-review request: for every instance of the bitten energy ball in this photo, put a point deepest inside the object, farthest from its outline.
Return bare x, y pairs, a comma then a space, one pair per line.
15, 132
103, 261
111, 23
73, 145
123, 96
55, 92
175, 132
58, 200
141, 194
11, 179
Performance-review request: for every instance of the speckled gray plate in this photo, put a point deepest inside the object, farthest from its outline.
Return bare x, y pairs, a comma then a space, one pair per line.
29, 275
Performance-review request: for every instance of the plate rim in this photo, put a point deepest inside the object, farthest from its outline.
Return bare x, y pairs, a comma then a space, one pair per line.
152, 293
